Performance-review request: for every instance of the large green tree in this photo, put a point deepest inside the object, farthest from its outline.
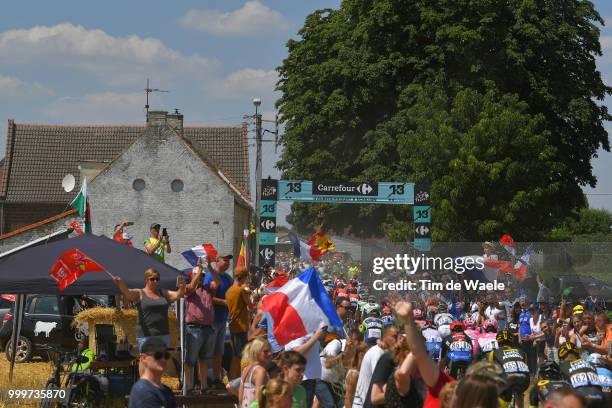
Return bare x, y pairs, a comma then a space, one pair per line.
496, 103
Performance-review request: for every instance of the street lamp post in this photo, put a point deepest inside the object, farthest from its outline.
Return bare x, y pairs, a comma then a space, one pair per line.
257, 103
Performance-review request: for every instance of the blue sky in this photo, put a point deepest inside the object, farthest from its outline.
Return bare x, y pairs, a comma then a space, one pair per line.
77, 62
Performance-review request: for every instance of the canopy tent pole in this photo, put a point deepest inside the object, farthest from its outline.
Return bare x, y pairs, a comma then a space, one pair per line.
17, 318
182, 341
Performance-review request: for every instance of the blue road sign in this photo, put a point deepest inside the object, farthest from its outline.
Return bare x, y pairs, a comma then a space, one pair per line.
422, 214
346, 192
267, 208
422, 244
267, 238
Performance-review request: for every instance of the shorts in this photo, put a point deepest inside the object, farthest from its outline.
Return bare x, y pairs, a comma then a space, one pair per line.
516, 384
198, 343
165, 338
219, 338
239, 340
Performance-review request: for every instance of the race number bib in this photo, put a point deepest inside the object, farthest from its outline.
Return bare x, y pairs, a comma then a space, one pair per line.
515, 367
374, 333
460, 346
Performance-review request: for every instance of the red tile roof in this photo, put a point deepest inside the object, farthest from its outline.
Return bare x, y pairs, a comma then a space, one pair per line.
38, 224
39, 156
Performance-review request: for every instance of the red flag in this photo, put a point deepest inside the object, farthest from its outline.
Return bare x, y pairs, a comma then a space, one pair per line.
70, 266
320, 244
77, 227
508, 243
210, 250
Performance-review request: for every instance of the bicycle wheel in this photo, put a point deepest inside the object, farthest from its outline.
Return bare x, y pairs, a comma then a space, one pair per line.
50, 402
85, 394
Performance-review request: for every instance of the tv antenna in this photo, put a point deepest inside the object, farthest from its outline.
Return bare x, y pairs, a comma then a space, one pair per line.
149, 90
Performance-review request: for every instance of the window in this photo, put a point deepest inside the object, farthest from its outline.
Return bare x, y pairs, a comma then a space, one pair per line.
177, 185
46, 305
138, 184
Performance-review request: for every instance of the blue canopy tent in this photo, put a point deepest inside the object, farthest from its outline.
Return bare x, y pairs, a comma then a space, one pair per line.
26, 271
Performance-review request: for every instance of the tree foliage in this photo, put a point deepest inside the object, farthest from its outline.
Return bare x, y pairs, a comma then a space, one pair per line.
495, 103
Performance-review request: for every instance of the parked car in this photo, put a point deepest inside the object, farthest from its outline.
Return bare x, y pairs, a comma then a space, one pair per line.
47, 321
5, 307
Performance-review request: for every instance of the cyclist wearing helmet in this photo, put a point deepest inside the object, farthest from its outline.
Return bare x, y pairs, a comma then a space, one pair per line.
514, 363
419, 317
472, 328
487, 341
388, 320
549, 380
604, 374
371, 306
581, 375
371, 327
433, 340
456, 353
443, 320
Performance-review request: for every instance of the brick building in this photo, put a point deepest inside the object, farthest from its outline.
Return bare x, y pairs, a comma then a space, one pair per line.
192, 180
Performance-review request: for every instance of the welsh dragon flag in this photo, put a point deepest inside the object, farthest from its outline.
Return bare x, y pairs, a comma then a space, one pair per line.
81, 204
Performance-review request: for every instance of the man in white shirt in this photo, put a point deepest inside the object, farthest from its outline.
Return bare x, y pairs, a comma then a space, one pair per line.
308, 346
368, 364
331, 373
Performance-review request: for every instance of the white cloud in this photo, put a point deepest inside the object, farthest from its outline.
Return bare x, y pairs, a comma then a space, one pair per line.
250, 82
252, 18
116, 60
105, 107
14, 88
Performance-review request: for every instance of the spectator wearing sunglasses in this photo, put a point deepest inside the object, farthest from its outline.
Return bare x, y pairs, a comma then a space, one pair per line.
149, 392
152, 304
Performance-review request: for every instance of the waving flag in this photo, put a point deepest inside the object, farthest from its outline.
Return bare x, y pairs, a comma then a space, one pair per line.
71, 266
81, 204
320, 244
200, 251
508, 243
278, 282
243, 257
300, 307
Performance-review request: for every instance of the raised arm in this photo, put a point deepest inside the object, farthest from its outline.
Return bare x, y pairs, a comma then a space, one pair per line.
130, 295
174, 295
427, 367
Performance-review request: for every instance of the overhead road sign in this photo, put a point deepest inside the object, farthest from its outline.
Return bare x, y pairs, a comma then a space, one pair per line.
346, 192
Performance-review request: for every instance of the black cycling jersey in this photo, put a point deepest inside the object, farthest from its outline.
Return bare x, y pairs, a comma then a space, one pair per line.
457, 347
540, 391
512, 360
579, 373
582, 376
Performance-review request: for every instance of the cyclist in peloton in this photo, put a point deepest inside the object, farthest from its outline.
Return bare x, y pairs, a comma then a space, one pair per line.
514, 364
433, 340
604, 373
549, 380
456, 354
581, 375
371, 327
443, 320
487, 341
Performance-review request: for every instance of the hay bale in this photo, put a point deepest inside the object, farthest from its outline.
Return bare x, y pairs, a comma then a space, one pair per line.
124, 322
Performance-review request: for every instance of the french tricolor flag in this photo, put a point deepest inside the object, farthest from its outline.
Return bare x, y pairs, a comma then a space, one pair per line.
200, 251
300, 307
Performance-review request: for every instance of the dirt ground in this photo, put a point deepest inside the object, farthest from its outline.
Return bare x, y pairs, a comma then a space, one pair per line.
34, 376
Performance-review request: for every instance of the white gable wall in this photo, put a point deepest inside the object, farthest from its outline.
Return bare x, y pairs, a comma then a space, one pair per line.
159, 157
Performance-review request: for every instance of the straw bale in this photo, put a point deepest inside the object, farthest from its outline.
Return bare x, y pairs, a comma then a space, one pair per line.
123, 320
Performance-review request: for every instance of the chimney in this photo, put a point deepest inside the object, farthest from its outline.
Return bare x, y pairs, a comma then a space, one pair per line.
163, 118
156, 118
175, 121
